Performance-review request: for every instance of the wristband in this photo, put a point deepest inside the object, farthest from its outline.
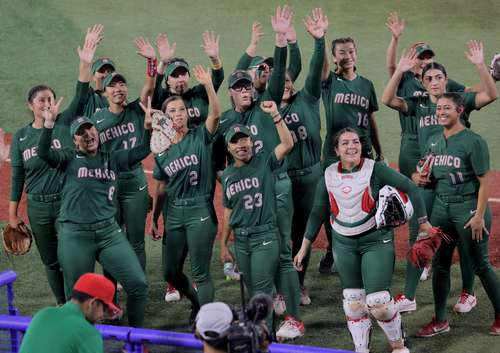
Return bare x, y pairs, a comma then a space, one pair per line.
151, 67
216, 65
422, 220
275, 115
276, 122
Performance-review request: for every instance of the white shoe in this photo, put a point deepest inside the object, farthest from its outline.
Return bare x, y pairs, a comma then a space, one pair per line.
290, 329
404, 304
172, 295
465, 303
279, 304
425, 273
304, 296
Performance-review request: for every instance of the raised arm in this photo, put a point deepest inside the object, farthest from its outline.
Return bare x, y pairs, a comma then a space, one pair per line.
389, 97
251, 50
54, 158
295, 63
286, 139
166, 52
146, 50
488, 90
204, 78
316, 25
396, 26
211, 47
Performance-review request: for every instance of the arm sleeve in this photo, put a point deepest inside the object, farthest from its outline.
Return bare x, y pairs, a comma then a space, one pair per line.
244, 62
411, 103
480, 157
128, 158
469, 101
158, 173
388, 176
225, 200
313, 80
54, 158
276, 85
158, 93
77, 105
319, 212
273, 162
373, 100
217, 78
295, 65
454, 86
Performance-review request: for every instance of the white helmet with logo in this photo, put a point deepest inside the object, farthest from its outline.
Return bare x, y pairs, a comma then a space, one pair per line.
393, 209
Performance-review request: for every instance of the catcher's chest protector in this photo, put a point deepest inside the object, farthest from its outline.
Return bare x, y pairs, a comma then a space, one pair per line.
351, 203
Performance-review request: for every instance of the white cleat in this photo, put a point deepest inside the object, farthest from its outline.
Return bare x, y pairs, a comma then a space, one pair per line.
404, 304
425, 273
172, 295
290, 329
465, 303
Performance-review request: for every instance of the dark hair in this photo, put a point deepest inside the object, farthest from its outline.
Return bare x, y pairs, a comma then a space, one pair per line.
458, 100
339, 133
169, 100
434, 66
342, 40
39, 88
80, 296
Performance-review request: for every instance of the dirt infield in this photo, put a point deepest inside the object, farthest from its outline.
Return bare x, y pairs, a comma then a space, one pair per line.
401, 233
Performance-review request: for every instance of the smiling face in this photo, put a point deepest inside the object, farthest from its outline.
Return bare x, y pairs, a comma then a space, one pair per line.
178, 81
348, 149
116, 93
345, 55
434, 81
448, 113
40, 102
176, 110
86, 138
241, 148
289, 89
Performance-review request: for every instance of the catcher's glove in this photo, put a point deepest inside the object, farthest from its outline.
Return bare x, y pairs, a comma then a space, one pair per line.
17, 241
495, 67
424, 249
163, 133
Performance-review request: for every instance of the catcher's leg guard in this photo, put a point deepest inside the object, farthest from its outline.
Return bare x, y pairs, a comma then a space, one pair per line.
358, 320
383, 308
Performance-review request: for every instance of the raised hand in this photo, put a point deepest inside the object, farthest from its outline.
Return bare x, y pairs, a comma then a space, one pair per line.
316, 24
257, 33
92, 39
50, 114
165, 49
269, 107
395, 24
148, 114
211, 44
291, 35
144, 48
475, 52
407, 60
282, 19
202, 76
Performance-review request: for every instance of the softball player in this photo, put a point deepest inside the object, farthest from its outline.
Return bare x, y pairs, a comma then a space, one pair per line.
120, 126
300, 110
42, 183
187, 174
175, 71
249, 208
460, 180
409, 155
88, 208
364, 254
422, 109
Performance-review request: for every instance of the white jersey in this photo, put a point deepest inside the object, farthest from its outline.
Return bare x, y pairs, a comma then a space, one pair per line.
351, 203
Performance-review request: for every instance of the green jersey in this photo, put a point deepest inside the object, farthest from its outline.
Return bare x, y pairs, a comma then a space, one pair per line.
88, 194
195, 98
95, 102
61, 330
27, 168
249, 191
411, 85
187, 166
459, 160
302, 117
348, 103
424, 110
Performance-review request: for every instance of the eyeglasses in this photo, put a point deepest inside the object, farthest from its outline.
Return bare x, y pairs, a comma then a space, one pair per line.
239, 88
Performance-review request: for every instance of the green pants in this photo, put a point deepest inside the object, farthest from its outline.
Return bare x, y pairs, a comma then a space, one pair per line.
287, 279
451, 214
365, 260
191, 227
42, 216
80, 245
304, 182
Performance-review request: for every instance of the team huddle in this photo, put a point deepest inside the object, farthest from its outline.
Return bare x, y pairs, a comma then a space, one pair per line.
88, 197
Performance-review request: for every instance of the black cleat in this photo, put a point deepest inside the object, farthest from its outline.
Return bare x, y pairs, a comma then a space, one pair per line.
326, 263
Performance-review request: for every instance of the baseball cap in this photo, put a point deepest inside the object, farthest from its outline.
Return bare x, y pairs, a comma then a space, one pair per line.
99, 287
175, 64
214, 320
258, 60
112, 77
235, 131
237, 76
99, 63
424, 48
76, 124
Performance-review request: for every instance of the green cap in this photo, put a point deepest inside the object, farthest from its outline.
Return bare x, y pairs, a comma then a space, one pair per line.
76, 124
423, 48
258, 60
235, 131
112, 77
174, 65
99, 63
239, 75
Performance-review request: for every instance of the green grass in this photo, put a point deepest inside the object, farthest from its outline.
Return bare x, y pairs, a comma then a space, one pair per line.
324, 318
39, 40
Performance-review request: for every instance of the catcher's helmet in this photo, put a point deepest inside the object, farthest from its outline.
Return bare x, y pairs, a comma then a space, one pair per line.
393, 209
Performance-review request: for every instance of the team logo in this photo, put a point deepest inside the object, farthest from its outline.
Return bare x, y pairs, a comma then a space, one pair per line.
346, 189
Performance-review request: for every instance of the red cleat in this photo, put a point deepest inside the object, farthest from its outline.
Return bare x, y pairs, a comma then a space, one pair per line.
495, 328
434, 328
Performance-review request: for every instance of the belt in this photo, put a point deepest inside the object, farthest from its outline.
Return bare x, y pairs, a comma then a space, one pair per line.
457, 198
301, 172
91, 226
255, 229
44, 198
131, 173
190, 201
409, 136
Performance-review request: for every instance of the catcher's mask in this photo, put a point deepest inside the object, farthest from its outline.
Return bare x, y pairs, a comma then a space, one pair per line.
394, 208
